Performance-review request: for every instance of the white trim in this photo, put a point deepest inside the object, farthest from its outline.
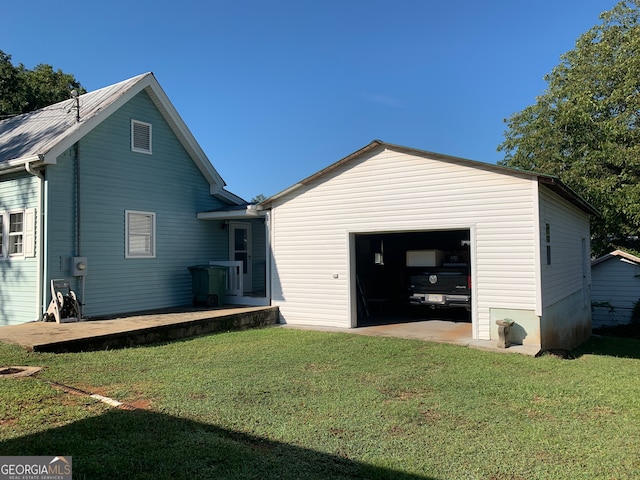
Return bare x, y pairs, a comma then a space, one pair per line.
152, 243
142, 82
241, 214
352, 285
537, 246
247, 280
625, 256
267, 272
82, 128
473, 267
351, 263
10, 234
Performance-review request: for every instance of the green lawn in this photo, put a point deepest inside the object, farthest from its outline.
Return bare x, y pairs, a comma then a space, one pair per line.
288, 404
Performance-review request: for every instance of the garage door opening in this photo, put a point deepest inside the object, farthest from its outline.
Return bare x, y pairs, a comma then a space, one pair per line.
413, 276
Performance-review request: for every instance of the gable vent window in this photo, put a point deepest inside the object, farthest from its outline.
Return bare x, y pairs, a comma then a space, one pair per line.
140, 137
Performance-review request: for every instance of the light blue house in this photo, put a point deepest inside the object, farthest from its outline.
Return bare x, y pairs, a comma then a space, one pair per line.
104, 190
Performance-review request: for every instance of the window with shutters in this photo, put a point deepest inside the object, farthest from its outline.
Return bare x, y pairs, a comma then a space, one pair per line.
17, 234
140, 233
141, 137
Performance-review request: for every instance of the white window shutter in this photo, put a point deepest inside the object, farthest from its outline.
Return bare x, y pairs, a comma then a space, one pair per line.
29, 243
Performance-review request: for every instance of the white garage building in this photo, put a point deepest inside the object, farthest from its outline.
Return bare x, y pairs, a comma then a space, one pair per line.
527, 235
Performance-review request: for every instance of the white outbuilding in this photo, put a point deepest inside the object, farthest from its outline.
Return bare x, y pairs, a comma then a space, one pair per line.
616, 288
338, 241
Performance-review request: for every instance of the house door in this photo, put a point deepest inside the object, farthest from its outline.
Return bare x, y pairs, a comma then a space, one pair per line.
240, 250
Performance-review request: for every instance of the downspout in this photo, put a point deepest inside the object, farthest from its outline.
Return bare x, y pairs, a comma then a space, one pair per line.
39, 243
77, 152
78, 249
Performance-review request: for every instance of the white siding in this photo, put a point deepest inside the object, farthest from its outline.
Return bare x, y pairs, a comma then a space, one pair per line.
390, 191
616, 288
568, 226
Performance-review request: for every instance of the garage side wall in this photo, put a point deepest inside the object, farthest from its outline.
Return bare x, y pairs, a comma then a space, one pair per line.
565, 272
392, 191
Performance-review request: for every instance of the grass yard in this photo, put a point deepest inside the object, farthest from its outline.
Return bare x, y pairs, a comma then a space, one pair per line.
290, 404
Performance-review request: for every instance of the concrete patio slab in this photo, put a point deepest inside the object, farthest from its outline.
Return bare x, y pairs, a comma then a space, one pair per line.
136, 329
171, 324
440, 331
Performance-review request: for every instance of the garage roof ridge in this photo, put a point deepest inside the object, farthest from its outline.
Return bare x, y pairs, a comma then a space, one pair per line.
552, 182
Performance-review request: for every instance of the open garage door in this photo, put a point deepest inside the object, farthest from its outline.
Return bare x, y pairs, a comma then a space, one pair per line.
413, 276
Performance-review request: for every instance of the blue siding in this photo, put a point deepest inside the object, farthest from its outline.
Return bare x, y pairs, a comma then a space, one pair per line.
18, 276
115, 179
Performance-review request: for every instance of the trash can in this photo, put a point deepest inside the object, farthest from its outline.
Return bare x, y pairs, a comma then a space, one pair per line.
209, 283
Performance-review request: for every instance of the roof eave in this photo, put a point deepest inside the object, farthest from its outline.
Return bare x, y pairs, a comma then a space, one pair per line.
554, 183
267, 203
219, 192
148, 83
179, 127
251, 211
84, 126
18, 164
617, 253
564, 191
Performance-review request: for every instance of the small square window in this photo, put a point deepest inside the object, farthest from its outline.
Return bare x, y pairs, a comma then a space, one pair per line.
141, 138
140, 232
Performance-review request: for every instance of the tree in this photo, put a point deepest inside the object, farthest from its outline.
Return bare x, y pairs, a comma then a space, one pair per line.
23, 90
258, 198
11, 93
585, 127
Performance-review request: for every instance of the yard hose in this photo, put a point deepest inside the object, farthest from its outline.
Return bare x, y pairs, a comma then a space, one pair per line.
103, 399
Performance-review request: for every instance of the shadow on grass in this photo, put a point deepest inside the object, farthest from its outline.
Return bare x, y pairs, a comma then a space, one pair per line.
147, 445
609, 346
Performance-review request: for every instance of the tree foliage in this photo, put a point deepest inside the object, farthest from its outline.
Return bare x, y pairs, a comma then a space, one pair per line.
23, 90
585, 127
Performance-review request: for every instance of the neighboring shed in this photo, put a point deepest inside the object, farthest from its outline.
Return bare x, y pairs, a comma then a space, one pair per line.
111, 180
616, 288
527, 236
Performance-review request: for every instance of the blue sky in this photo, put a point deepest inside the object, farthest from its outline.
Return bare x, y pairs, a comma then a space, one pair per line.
276, 90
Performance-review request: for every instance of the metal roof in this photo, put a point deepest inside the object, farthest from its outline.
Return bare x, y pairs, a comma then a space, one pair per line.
39, 137
34, 134
617, 254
